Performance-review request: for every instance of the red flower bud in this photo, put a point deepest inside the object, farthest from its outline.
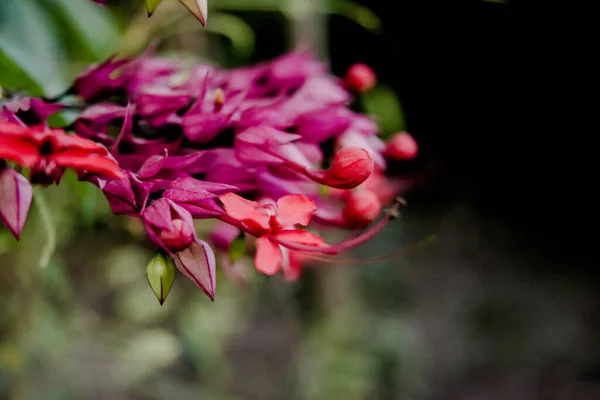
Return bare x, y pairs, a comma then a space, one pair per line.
351, 166
179, 237
360, 78
362, 207
402, 147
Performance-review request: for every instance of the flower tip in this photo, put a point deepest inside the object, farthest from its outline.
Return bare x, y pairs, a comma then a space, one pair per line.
351, 166
197, 7
360, 78
402, 147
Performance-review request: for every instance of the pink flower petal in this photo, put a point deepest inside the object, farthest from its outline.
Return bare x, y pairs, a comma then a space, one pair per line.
301, 237
15, 199
197, 263
244, 210
295, 209
268, 256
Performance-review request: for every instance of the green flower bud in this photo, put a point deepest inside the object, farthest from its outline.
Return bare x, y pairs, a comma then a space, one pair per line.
151, 5
161, 274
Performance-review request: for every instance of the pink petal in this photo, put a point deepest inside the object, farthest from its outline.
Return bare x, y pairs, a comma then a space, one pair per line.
197, 263
152, 166
15, 199
300, 236
295, 209
268, 256
190, 190
244, 210
125, 129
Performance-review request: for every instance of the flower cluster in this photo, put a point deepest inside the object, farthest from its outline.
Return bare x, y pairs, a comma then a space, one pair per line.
269, 151
45, 152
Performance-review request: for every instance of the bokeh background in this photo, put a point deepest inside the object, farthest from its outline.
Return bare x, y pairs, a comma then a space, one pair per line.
502, 305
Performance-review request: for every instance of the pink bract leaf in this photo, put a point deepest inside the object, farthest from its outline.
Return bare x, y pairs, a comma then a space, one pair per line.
15, 199
197, 263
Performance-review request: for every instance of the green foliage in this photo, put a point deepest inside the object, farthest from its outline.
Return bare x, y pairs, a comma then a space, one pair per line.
237, 248
41, 42
384, 104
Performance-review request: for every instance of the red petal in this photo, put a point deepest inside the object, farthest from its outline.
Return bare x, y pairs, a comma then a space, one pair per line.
62, 141
15, 148
295, 209
10, 128
244, 210
15, 199
268, 256
197, 263
93, 163
301, 237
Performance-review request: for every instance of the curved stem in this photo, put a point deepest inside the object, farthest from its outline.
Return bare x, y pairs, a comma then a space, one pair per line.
48, 224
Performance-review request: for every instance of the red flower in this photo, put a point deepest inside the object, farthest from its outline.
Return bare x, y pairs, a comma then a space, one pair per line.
273, 223
48, 151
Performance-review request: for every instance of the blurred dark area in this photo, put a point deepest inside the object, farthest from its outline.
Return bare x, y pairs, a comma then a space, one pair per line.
486, 88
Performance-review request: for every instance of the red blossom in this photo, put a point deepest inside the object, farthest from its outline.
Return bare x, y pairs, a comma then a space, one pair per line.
48, 151
273, 225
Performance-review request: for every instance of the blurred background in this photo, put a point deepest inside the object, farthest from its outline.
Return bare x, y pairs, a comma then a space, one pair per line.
502, 305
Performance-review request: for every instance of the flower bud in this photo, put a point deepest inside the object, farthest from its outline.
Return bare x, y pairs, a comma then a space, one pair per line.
360, 78
179, 237
362, 207
161, 274
402, 147
351, 166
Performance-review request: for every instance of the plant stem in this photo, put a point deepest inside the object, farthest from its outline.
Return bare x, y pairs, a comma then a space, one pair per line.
48, 225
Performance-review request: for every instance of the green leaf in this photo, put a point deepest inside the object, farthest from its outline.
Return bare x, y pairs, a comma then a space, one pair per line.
40, 40
90, 32
383, 103
15, 79
151, 6
237, 248
236, 30
28, 40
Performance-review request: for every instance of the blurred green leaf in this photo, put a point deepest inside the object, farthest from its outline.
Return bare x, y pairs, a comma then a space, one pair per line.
89, 31
236, 30
28, 39
237, 249
15, 78
40, 40
360, 14
384, 105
